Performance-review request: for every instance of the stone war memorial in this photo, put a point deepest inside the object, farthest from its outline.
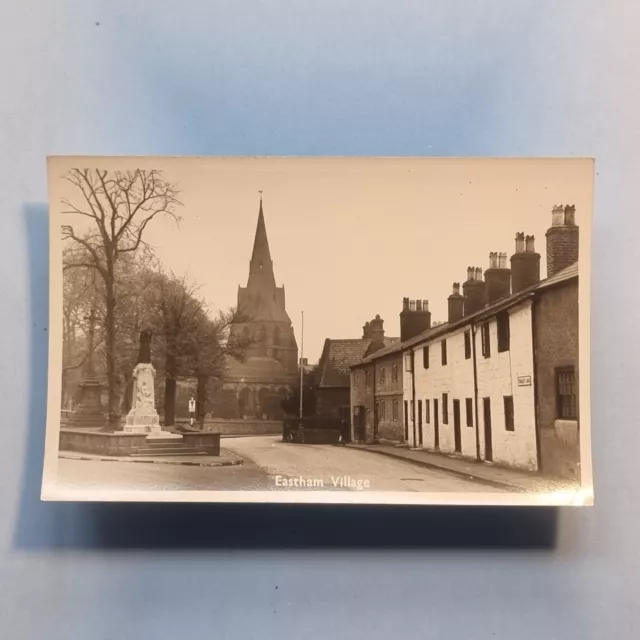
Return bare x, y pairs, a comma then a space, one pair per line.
141, 435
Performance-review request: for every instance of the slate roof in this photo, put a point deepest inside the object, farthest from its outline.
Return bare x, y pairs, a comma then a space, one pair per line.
569, 273
338, 356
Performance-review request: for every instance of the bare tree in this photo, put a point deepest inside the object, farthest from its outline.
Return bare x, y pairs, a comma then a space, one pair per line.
119, 206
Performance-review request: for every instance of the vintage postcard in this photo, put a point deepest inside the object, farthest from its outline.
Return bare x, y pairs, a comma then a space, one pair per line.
335, 330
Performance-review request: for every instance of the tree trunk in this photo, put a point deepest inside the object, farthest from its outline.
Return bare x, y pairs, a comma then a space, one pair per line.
201, 398
110, 343
170, 389
128, 390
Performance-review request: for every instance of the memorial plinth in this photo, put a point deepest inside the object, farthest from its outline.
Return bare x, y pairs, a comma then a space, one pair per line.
143, 417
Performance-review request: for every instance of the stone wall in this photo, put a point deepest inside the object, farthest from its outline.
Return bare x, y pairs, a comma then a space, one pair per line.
243, 427
109, 444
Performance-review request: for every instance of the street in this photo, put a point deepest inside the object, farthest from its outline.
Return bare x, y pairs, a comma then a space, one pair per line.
269, 464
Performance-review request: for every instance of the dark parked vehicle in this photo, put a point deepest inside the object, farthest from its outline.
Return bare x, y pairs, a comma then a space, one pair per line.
315, 430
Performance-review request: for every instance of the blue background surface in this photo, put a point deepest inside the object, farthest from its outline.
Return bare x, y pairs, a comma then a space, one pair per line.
339, 77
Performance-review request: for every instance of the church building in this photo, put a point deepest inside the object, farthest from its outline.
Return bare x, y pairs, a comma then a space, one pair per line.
265, 367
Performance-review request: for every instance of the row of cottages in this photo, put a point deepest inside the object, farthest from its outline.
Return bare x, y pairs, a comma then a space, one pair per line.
497, 382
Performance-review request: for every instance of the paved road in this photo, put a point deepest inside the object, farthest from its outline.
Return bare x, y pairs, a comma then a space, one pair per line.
269, 464
329, 463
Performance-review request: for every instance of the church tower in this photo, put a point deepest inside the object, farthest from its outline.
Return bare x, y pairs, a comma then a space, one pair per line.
266, 362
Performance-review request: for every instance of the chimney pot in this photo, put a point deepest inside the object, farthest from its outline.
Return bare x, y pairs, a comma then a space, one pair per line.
557, 216
456, 289
570, 215
530, 243
493, 260
479, 274
418, 305
471, 273
519, 242
425, 305
502, 261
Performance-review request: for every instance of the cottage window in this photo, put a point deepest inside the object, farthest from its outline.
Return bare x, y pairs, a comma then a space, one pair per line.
383, 375
382, 410
469, 407
427, 411
425, 357
567, 399
354, 377
407, 362
504, 338
467, 345
443, 346
486, 340
508, 413
394, 409
445, 408
394, 373
367, 378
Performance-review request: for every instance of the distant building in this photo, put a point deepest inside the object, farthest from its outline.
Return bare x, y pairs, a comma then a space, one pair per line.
333, 375
266, 367
499, 381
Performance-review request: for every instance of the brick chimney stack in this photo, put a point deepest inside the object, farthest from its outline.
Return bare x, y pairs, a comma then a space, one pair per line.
525, 264
376, 329
366, 331
415, 318
456, 303
497, 277
563, 239
474, 291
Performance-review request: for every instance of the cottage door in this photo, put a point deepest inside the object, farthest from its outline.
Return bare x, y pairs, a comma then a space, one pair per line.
488, 441
436, 425
456, 426
419, 423
360, 427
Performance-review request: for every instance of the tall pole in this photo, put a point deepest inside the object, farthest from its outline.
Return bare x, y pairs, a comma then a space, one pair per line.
301, 361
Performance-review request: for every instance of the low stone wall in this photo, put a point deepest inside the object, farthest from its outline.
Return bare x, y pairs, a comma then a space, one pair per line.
210, 442
243, 427
109, 444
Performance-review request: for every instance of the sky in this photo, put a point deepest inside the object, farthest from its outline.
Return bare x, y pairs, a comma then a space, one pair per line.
350, 237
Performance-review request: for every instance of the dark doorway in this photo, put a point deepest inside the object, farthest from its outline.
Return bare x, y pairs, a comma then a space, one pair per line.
436, 425
359, 424
420, 422
406, 421
488, 443
456, 426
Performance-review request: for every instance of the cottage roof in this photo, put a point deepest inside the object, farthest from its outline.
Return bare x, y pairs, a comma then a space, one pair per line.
569, 273
338, 356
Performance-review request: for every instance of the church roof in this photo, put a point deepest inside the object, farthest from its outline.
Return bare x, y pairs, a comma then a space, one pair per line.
338, 356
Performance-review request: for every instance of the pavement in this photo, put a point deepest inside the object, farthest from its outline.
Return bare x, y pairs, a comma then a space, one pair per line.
484, 473
225, 459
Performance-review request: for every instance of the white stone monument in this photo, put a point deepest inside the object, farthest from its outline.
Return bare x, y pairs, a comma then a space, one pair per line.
143, 417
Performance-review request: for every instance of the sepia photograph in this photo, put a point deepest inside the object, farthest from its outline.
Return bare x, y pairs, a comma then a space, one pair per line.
319, 330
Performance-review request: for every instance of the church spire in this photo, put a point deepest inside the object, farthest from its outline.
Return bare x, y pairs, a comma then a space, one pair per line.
261, 263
